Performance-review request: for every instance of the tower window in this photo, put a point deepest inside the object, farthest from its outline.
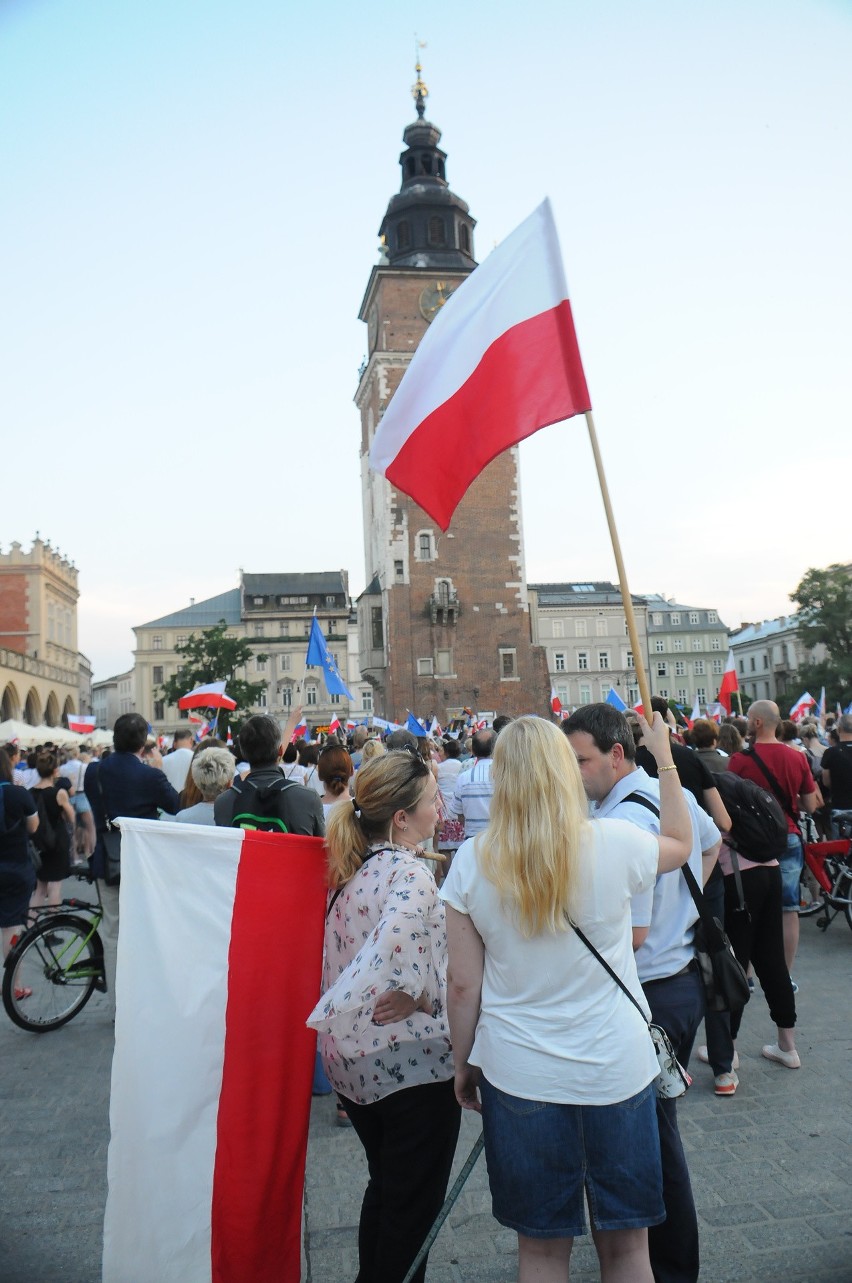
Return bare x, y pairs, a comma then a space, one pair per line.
424, 545
437, 230
464, 238
403, 235
426, 162
441, 173
410, 167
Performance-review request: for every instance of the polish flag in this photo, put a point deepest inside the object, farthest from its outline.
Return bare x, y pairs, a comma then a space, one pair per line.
555, 702
716, 712
334, 725
801, 706
210, 696
695, 714
300, 729
81, 725
434, 728
212, 1070
729, 683
499, 361
350, 725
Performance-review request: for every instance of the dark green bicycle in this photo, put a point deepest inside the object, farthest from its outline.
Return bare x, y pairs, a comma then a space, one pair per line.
53, 969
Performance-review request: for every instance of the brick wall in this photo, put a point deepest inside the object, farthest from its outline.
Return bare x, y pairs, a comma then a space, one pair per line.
13, 612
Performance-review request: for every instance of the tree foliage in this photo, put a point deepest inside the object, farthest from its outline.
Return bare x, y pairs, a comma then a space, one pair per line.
824, 598
212, 656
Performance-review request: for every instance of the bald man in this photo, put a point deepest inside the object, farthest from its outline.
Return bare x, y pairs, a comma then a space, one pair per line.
785, 772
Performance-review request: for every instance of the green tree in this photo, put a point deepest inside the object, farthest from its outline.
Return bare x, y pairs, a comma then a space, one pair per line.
212, 656
824, 598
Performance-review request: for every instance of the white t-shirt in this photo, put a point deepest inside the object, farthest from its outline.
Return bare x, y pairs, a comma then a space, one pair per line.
176, 767
553, 1025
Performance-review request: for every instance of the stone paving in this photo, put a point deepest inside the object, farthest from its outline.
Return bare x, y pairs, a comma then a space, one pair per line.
771, 1167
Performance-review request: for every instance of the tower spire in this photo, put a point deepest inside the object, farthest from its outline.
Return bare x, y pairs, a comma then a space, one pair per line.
419, 90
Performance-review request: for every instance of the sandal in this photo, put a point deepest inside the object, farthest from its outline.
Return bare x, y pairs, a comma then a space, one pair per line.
22, 992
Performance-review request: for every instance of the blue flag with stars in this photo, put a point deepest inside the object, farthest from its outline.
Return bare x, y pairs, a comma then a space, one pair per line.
319, 656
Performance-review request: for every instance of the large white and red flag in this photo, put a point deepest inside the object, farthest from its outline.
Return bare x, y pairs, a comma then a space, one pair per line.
801, 706
80, 724
219, 963
212, 695
499, 361
729, 683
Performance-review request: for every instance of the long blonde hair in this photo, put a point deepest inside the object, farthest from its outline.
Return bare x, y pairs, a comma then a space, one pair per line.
390, 783
530, 850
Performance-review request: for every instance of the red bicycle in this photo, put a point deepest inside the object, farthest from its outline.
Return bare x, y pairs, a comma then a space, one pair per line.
831, 866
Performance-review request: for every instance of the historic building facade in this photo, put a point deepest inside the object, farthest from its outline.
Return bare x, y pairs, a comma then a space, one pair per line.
687, 650
273, 613
444, 622
768, 657
41, 670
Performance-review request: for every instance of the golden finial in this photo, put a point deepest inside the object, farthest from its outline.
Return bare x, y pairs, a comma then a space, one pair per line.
419, 91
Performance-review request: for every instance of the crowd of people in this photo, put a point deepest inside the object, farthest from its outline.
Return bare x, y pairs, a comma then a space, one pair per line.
483, 890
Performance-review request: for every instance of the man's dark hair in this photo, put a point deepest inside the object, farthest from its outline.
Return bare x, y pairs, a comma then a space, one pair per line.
260, 740
660, 705
403, 739
606, 725
290, 754
452, 748
499, 722
181, 735
130, 733
483, 743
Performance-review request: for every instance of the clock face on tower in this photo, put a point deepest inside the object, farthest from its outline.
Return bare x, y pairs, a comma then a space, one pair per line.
433, 298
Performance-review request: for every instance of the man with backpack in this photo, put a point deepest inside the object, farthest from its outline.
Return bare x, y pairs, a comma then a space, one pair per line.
264, 799
785, 773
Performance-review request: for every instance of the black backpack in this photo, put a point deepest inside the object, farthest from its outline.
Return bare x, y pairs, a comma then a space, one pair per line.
256, 804
49, 838
758, 825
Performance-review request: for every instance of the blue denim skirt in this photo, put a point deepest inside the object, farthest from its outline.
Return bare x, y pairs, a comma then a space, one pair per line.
542, 1157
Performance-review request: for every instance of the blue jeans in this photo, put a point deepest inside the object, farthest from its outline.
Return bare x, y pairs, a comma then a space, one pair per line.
678, 1005
791, 873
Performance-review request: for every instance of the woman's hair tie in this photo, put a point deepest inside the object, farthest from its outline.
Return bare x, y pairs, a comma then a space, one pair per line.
356, 809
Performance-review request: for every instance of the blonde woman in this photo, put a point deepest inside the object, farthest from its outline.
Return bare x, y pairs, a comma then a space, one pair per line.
562, 1062
383, 1033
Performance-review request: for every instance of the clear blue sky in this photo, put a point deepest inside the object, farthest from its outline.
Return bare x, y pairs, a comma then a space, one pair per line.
192, 194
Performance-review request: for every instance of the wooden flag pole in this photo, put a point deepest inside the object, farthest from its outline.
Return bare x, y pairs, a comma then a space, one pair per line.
632, 631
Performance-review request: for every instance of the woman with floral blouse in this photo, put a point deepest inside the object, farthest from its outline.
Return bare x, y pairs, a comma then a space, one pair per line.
382, 1022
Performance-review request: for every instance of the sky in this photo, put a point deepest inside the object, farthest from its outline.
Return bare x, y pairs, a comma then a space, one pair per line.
192, 193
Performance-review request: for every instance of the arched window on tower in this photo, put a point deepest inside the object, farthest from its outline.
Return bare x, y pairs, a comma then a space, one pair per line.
441, 173
464, 237
403, 235
437, 230
426, 162
410, 167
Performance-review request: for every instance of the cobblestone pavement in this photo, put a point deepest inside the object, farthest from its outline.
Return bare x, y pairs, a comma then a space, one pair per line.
771, 1167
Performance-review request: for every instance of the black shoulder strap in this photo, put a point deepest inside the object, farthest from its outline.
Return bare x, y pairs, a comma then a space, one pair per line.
643, 801
774, 786
340, 890
622, 986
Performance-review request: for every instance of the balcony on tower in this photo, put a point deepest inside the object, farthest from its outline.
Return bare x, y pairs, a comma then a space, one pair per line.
443, 605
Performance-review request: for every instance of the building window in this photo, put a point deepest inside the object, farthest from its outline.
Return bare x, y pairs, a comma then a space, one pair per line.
284, 627
657, 618
660, 646
582, 660
694, 617
717, 666
311, 695
629, 662
701, 695
715, 643
559, 628
664, 693
424, 545
334, 699
559, 664
444, 662
508, 665
157, 674
181, 639
260, 665
765, 661
398, 571
741, 665
159, 710
752, 664
580, 628
712, 617
678, 643
585, 693
437, 230
674, 618
403, 235
600, 627
284, 663
662, 669
287, 696
699, 667
632, 695
464, 236
258, 630
157, 643
261, 699
306, 627
697, 643
367, 700
425, 667
681, 695
562, 694
603, 659
680, 668
377, 628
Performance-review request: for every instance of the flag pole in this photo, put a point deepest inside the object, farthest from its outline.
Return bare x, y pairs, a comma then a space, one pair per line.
632, 631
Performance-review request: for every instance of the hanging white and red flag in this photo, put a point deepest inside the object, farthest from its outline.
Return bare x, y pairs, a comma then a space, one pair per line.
729, 683
81, 725
801, 706
499, 361
212, 695
219, 962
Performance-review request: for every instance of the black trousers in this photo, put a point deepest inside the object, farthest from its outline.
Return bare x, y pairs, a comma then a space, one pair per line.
758, 935
677, 1004
717, 1024
409, 1138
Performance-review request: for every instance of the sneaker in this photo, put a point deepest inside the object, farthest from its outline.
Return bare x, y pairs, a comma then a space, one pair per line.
788, 1058
705, 1059
726, 1084
795, 986
751, 984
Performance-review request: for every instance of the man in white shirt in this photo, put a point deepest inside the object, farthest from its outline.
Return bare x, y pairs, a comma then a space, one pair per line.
472, 798
663, 928
176, 763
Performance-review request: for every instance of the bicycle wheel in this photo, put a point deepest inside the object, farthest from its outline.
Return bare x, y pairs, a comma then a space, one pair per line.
52, 973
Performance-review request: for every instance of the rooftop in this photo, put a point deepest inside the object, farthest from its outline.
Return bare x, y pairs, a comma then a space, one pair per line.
762, 632
202, 614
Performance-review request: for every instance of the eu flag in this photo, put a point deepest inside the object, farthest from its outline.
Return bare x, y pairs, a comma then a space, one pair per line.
319, 657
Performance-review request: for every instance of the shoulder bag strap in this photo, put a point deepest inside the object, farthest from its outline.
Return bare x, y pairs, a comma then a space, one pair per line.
338, 893
774, 786
622, 986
